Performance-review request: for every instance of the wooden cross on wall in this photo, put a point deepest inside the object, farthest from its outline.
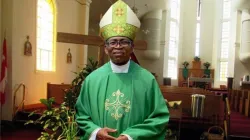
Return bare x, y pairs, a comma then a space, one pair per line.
94, 41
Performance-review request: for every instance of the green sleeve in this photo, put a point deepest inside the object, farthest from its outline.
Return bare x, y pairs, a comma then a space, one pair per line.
155, 125
83, 118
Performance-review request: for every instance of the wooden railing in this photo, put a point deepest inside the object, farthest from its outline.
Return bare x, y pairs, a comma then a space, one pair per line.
21, 105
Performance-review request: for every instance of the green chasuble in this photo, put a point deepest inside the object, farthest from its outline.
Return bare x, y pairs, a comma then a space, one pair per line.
130, 102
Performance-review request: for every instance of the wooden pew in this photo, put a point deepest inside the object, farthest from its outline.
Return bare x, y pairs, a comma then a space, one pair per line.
238, 94
57, 91
212, 107
175, 89
242, 101
229, 95
239, 101
232, 98
247, 105
227, 118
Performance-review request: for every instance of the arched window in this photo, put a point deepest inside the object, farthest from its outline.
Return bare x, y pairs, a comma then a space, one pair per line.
46, 31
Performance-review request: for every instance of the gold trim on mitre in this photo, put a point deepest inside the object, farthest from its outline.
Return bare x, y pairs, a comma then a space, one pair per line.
119, 20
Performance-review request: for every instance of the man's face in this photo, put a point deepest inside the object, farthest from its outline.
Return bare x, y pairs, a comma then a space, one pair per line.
119, 49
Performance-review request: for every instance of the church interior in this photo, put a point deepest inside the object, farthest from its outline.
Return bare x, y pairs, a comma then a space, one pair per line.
198, 51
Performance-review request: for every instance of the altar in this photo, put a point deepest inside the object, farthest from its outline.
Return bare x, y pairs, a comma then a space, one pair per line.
198, 79
186, 76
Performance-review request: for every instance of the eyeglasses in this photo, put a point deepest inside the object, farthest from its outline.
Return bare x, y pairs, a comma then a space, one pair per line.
123, 43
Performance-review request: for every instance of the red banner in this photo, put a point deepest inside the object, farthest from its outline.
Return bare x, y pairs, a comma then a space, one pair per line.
3, 78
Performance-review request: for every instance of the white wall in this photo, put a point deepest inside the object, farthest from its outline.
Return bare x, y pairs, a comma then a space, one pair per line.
189, 30
20, 20
206, 41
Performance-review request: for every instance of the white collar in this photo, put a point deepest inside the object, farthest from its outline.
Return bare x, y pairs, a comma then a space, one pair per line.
120, 69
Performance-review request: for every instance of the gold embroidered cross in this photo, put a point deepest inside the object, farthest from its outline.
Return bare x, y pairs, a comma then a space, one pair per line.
117, 105
119, 12
118, 29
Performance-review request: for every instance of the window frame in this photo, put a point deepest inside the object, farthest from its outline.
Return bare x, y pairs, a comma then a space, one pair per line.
198, 21
220, 58
176, 21
52, 5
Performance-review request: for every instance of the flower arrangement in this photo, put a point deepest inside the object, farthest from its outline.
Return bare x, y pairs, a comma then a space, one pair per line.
196, 58
206, 65
185, 64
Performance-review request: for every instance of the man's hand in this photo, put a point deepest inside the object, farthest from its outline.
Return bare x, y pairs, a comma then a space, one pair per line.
103, 134
122, 137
